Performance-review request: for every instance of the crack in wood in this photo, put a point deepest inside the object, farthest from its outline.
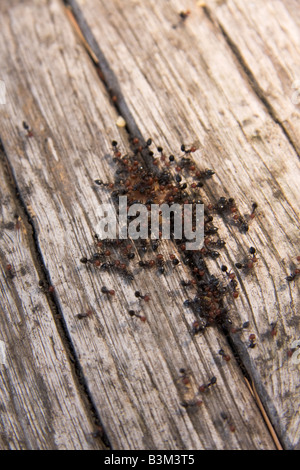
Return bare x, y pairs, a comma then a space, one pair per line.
54, 304
110, 81
251, 78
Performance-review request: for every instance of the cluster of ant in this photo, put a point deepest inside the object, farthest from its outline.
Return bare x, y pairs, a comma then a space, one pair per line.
196, 401
103, 259
153, 177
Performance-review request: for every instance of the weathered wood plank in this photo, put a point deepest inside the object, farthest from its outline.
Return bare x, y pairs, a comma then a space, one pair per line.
41, 406
266, 36
181, 81
131, 367
293, 9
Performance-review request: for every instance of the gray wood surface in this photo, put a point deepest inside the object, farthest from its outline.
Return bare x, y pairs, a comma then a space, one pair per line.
188, 83
264, 36
175, 85
42, 403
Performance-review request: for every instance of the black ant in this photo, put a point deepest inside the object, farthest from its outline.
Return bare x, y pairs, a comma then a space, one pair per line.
174, 260
183, 15
160, 263
204, 387
87, 314
198, 326
132, 313
10, 271
254, 207
213, 254
252, 342
186, 151
229, 274
116, 150
27, 128
146, 297
147, 264
248, 264
225, 356
295, 273
189, 283
105, 290
101, 183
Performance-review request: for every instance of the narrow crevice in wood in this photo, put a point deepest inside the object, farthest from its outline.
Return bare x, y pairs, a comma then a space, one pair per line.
249, 381
54, 304
106, 74
110, 81
251, 79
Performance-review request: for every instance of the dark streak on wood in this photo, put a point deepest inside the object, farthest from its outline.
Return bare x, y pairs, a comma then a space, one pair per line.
253, 81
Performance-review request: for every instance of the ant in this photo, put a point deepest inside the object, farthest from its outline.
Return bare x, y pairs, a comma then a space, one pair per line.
87, 314
208, 173
160, 263
197, 326
295, 273
191, 403
18, 222
132, 313
244, 326
189, 283
244, 226
184, 377
174, 260
274, 329
104, 266
213, 254
162, 155
116, 150
192, 149
148, 143
249, 264
244, 222
183, 15
252, 342
146, 297
147, 264
45, 287
101, 183
10, 271
105, 290
254, 207
27, 128
229, 274
229, 421
204, 387
225, 356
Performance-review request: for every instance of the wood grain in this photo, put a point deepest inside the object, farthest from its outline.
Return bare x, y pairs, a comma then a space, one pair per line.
41, 407
131, 368
265, 35
182, 80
